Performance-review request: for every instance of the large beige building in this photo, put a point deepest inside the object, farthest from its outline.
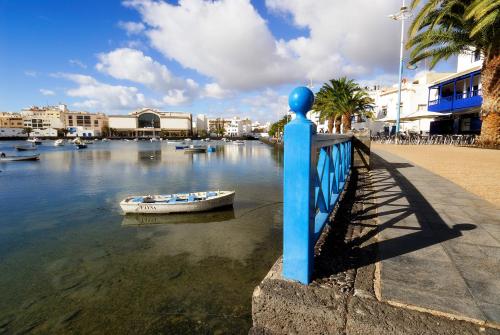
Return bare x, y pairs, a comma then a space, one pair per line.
49, 117
11, 120
149, 122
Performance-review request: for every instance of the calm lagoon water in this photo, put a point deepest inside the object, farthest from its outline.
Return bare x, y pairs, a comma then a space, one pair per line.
71, 262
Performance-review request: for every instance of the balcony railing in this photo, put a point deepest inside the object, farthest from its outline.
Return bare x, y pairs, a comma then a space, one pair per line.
472, 97
316, 168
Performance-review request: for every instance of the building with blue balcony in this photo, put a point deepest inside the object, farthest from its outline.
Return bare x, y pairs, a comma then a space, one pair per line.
459, 98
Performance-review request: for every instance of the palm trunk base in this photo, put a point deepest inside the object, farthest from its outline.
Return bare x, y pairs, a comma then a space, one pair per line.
490, 130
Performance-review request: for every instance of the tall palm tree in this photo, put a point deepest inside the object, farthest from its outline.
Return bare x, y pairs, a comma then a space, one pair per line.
444, 28
352, 100
324, 103
341, 99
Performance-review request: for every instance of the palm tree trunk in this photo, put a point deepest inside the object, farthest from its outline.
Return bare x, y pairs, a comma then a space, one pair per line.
337, 125
346, 122
330, 124
490, 109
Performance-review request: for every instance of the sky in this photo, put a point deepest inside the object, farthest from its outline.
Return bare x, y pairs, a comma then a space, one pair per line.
221, 58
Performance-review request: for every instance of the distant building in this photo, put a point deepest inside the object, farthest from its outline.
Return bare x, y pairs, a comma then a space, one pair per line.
85, 124
44, 121
239, 127
149, 122
12, 132
200, 125
258, 127
11, 120
218, 126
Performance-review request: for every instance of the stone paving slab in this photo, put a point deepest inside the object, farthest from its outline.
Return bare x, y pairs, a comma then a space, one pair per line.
439, 245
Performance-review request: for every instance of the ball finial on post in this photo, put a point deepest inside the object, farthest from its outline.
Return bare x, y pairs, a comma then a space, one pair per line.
300, 101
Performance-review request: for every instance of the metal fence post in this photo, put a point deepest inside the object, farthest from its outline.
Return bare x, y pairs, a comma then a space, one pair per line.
298, 193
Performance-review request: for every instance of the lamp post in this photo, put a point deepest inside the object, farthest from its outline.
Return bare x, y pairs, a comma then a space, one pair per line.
402, 15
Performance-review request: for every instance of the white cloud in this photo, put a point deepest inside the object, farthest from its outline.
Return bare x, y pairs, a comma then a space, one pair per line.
231, 43
213, 90
224, 40
77, 62
98, 95
133, 65
175, 97
31, 73
132, 28
47, 92
267, 105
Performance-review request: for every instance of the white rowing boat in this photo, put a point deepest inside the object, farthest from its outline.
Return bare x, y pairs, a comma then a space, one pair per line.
177, 203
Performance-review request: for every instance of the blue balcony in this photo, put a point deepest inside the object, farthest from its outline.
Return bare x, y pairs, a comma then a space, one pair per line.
458, 94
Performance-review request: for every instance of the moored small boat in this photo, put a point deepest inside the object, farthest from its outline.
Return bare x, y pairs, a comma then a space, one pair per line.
34, 140
181, 147
195, 149
239, 142
5, 158
59, 143
177, 203
80, 145
30, 147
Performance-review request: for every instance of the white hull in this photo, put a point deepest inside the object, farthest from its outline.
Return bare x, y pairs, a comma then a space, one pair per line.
223, 198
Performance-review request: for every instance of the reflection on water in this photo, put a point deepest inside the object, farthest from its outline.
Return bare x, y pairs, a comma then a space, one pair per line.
71, 262
223, 214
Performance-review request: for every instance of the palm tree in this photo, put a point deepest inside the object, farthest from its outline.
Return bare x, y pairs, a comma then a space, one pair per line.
352, 100
324, 103
444, 28
341, 99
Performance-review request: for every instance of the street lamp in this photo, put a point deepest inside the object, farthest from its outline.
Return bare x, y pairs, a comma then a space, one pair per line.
403, 14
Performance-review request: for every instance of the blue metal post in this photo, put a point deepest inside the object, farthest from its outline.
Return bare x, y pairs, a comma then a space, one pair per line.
298, 193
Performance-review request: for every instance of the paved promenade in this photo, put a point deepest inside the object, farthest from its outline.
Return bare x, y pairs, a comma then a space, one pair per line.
476, 170
439, 245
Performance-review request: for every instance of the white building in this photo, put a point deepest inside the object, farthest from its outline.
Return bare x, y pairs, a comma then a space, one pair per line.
414, 114
239, 127
200, 125
44, 117
12, 132
44, 121
149, 122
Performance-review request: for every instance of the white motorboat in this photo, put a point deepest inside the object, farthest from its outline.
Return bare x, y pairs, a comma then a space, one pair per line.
154, 139
59, 143
239, 142
177, 203
34, 140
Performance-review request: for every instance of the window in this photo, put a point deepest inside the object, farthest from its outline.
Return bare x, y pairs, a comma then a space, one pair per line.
476, 56
96, 123
149, 120
476, 85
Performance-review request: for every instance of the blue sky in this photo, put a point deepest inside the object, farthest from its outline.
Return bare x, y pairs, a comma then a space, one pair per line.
221, 58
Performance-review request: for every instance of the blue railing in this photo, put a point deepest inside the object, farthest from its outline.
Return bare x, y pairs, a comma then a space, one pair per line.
462, 97
316, 167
